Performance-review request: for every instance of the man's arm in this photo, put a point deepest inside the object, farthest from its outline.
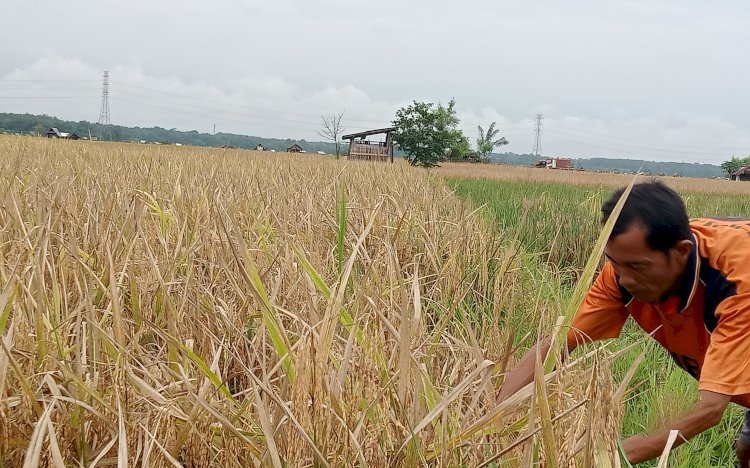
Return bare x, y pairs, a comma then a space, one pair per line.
601, 315
706, 414
523, 373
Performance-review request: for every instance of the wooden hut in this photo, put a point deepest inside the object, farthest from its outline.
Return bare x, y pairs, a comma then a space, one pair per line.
362, 149
295, 148
55, 133
741, 174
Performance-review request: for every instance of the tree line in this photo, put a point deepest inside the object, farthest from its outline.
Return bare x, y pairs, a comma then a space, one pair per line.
39, 124
428, 134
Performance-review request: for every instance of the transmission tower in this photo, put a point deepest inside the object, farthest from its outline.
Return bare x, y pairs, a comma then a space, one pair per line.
538, 136
104, 112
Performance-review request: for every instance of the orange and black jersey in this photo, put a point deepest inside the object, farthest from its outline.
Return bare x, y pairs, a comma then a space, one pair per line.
705, 325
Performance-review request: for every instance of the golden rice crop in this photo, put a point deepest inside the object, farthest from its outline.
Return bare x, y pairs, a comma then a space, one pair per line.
165, 306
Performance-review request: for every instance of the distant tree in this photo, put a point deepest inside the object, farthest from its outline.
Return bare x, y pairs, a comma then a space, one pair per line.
460, 149
428, 134
116, 133
734, 164
486, 141
332, 129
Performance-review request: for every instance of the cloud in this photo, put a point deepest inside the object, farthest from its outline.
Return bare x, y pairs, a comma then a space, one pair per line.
266, 105
661, 137
257, 104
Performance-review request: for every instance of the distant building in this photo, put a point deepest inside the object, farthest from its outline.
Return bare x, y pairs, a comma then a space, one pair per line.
741, 174
555, 163
260, 147
55, 133
295, 148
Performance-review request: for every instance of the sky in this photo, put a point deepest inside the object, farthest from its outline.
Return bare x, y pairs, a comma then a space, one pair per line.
651, 80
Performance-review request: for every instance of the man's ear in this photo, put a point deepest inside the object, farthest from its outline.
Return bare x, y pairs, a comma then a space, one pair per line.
684, 248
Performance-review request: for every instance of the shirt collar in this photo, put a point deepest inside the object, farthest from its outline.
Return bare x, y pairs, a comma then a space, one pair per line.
687, 288
690, 281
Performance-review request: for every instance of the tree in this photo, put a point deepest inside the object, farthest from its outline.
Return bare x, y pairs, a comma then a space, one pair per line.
734, 164
40, 129
486, 141
332, 129
428, 134
460, 149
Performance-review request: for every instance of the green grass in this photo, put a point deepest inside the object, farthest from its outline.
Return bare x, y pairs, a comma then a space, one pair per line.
561, 221
558, 224
661, 391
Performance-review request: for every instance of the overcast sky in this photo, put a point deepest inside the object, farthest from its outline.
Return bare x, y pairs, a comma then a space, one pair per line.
654, 80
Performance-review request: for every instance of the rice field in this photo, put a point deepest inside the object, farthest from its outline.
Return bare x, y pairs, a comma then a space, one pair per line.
559, 221
544, 176
178, 306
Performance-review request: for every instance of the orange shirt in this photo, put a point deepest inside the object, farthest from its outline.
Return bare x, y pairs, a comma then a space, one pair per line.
705, 325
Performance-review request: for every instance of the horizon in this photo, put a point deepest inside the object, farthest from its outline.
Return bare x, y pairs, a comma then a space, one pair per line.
541, 156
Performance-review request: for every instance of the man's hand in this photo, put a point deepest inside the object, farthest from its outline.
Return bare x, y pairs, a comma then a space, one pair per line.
706, 414
523, 373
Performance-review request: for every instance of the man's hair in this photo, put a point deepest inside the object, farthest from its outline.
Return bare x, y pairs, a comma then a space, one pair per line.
658, 208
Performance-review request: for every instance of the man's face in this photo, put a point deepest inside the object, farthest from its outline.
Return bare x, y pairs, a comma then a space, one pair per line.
647, 274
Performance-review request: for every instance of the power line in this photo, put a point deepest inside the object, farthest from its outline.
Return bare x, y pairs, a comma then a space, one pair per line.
48, 97
630, 140
572, 135
618, 147
568, 136
188, 98
191, 107
506, 128
202, 114
46, 88
226, 111
46, 80
161, 93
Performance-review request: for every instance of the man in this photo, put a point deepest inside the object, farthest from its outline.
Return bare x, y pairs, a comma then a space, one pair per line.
688, 283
